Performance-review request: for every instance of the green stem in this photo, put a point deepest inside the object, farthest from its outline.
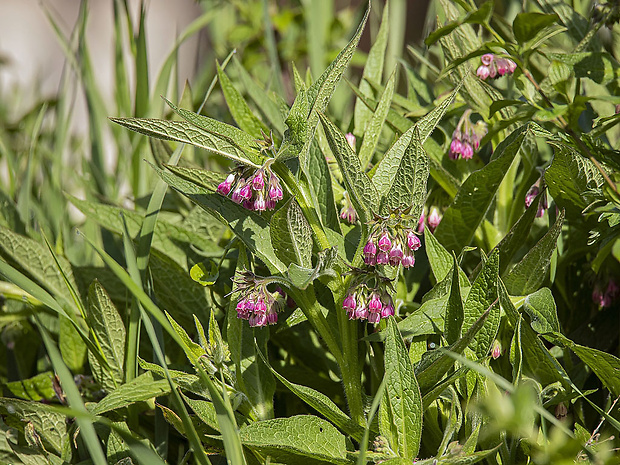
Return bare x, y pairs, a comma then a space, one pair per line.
304, 199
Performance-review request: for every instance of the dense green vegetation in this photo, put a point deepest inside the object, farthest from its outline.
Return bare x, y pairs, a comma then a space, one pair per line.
320, 254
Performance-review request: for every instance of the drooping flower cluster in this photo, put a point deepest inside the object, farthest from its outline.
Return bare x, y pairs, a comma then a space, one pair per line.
391, 246
604, 298
531, 196
368, 302
255, 303
347, 212
466, 137
493, 66
256, 190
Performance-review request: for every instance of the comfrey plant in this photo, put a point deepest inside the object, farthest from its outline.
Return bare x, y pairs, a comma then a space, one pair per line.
427, 327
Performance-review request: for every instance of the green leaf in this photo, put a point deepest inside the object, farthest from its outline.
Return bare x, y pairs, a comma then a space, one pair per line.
603, 364
409, 183
36, 260
233, 135
49, 424
574, 181
577, 25
142, 388
465, 214
320, 93
192, 350
482, 297
375, 125
301, 277
251, 228
320, 180
321, 403
359, 186
454, 310
540, 306
37, 388
238, 107
479, 16
296, 134
175, 240
201, 275
182, 131
291, 235
527, 275
71, 345
373, 70
296, 439
436, 364
395, 161
400, 414
526, 25
262, 100
107, 326
440, 259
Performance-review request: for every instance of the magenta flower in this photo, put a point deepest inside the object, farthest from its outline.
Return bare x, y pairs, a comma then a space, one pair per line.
466, 137
370, 253
413, 241
396, 254
408, 260
351, 140
370, 304
384, 243
225, 186
255, 303
260, 192
434, 218
493, 66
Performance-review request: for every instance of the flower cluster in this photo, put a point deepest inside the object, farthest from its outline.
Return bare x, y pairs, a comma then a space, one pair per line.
255, 303
604, 298
257, 190
368, 303
531, 196
385, 247
466, 137
493, 66
348, 212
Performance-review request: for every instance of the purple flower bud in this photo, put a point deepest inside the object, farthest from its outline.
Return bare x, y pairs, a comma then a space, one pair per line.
502, 66
408, 260
248, 205
361, 312
421, 223
246, 192
483, 72
275, 190
236, 195
259, 204
270, 204
456, 147
348, 214
385, 243
433, 219
258, 181
492, 71
512, 66
225, 186
387, 310
374, 317
382, 258
258, 319
272, 318
351, 140
413, 241
375, 305
467, 152
531, 195
370, 250
349, 302
396, 255
487, 59
496, 351
261, 306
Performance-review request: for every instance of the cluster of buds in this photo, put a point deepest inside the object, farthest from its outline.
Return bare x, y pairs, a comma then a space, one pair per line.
466, 137
531, 196
255, 303
256, 190
347, 212
604, 298
365, 302
493, 66
396, 247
